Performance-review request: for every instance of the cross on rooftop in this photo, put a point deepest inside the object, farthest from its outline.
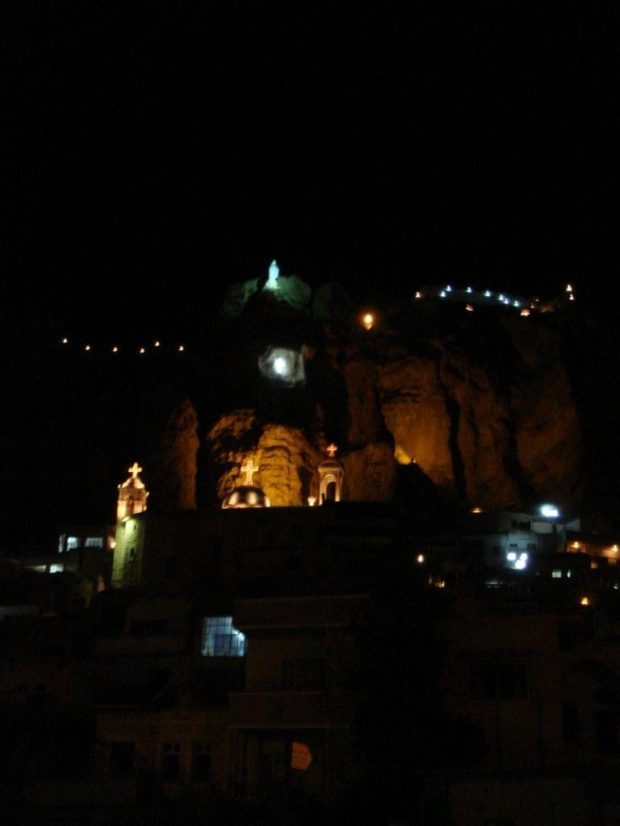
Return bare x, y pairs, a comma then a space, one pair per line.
135, 470
249, 468
331, 450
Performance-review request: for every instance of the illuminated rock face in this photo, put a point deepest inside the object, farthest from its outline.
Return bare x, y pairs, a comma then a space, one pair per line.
370, 474
285, 458
175, 466
482, 404
491, 438
548, 434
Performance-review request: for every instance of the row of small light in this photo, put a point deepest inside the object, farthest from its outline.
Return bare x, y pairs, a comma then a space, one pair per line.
487, 294
87, 348
368, 320
503, 299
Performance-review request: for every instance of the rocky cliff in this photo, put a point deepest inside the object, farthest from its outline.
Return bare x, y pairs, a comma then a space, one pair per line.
481, 402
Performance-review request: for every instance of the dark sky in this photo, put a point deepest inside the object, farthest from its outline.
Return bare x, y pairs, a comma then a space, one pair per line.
154, 156
157, 156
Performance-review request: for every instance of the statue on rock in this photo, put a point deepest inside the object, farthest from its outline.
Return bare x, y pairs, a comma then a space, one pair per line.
272, 281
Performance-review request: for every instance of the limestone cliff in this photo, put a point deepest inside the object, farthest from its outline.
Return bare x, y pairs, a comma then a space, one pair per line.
285, 458
482, 404
175, 466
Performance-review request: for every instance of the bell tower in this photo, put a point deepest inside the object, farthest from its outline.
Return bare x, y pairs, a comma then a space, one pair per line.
331, 474
132, 496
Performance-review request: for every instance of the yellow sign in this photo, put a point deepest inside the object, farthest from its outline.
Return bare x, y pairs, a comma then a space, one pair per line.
301, 756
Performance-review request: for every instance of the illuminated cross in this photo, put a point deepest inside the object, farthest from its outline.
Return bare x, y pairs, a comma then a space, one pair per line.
134, 470
331, 450
249, 468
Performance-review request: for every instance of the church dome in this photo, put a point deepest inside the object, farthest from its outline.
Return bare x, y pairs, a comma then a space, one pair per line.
330, 464
246, 496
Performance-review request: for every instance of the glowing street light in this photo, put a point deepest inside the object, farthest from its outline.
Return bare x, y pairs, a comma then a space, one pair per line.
368, 320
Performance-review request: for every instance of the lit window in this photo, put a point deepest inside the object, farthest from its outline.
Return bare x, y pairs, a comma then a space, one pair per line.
220, 639
549, 511
61, 543
556, 574
94, 542
72, 542
282, 365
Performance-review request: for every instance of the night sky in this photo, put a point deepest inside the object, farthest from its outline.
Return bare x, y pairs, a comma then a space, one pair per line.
155, 157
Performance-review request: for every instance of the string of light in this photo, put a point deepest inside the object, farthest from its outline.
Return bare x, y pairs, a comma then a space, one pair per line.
115, 349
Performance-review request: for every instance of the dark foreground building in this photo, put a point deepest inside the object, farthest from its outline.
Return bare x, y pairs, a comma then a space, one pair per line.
350, 662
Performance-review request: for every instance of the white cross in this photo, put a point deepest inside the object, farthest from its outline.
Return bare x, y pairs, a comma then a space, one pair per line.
134, 469
249, 468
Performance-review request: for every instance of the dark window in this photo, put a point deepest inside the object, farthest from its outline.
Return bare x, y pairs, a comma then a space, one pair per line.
121, 759
170, 569
201, 762
570, 723
171, 762
526, 526
498, 681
